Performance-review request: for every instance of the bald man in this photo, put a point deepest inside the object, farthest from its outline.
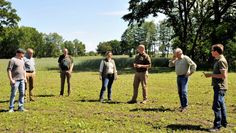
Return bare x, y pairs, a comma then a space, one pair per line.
65, 62
142, 63
30, 73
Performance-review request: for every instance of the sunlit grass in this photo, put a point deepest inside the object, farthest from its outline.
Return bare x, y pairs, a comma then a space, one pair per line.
82, 113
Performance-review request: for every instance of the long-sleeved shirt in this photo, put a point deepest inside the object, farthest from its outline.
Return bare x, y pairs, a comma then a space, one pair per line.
183, 65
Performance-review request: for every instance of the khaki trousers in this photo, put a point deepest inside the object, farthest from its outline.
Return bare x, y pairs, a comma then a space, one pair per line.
140, 77
65, 75
30, 77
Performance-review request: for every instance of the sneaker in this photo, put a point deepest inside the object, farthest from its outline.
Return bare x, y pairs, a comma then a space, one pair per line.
11, 110
183, 109
214, 129
22, 110
101, 100
132, 102
31, 99
109, 100
144, 102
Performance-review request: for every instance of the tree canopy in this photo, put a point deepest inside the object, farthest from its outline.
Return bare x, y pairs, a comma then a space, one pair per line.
197, 24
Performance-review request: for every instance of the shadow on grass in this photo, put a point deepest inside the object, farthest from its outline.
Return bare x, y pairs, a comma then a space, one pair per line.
5, 101
3, 110
186, 127
105, 102
50, 95
160, 109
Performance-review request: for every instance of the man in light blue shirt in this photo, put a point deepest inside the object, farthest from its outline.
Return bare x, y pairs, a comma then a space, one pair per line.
30, 73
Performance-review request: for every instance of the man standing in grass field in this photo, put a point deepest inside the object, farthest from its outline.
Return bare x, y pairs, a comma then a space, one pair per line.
141, 64
220, 85
184, 67
17, 76
30, 73
65, 62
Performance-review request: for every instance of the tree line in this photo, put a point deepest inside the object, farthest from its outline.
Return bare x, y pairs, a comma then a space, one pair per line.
45, 45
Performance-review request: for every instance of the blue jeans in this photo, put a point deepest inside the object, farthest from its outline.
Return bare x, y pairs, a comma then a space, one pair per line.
107, 83
182, 82
219, 107
19, 85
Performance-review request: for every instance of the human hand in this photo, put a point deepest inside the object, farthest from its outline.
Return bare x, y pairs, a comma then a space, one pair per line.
12, 82
207, 75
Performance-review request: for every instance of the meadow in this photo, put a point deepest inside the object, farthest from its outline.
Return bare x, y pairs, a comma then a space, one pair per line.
81, 111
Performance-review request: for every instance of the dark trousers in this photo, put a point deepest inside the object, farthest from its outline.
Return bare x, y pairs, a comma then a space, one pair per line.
219, 107
107, 83
65, 75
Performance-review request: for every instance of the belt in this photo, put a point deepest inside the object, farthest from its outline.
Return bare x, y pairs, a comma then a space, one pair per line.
181, 75
29, 71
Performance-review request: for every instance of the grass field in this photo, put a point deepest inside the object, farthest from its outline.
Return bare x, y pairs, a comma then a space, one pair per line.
81, 112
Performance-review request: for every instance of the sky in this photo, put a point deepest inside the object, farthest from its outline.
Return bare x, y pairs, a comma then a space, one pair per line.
90, 21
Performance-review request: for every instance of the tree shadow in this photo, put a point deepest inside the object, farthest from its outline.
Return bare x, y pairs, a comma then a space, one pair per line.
46, 95
5, 101
186, 127
160, 109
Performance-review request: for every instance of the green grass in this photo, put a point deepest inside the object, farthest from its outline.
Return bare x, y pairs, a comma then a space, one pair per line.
82, 113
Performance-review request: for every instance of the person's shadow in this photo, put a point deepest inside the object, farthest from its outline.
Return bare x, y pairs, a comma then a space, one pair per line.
3, 110
105, 102
160, 109
186, 127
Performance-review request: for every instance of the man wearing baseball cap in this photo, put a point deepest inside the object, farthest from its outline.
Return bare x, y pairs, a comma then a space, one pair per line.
17, 76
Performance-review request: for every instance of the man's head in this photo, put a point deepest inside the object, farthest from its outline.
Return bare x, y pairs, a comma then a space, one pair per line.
20, 53
178, 52
30, 52
65, 51
141, 48
217, 49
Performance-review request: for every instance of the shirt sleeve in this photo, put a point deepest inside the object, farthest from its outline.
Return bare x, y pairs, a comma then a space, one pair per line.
101, 66
171, 63
10, 65
223, 65
192, 64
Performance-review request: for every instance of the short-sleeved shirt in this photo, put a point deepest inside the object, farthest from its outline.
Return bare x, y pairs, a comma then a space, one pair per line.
69, 60
29, 64
16, 66
142, 59
220, 64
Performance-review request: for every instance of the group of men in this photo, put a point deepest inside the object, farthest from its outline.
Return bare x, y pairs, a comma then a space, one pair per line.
185, 67
21, 73
21, 70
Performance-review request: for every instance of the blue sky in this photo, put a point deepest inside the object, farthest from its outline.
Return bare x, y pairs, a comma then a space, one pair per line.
90, 21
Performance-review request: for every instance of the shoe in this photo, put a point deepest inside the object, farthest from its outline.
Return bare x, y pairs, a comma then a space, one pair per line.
183, 109
109, 100
132, 102
214, 129
22, 110
144, 102
11, 110
224, 125
101, 100
31, 99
